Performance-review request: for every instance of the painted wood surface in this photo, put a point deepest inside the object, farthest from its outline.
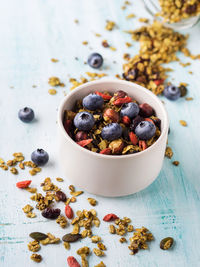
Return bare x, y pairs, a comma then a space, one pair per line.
32, 32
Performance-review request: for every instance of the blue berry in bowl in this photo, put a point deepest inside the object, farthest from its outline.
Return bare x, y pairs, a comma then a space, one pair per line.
40, 157
26, 114
93, 102
145, 130
84, 121
95, 60
130, 109
172, 92
111, 131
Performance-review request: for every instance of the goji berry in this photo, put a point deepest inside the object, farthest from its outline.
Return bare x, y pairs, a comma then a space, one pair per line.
69, 212
110, 217
158, 82
104, 96
150, 120
84, 142
23, 184
142, 144
106, 151
126, 120
72, 262
133, 138
121, 101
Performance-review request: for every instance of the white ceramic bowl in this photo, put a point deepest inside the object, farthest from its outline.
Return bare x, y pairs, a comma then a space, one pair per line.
109, 175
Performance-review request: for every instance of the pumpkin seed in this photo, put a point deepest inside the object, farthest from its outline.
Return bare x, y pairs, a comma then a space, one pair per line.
38, 236
71, 237
166, 243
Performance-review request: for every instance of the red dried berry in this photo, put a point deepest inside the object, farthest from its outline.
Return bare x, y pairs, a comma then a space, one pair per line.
81, 135
150, 120
23, 184
69, 212
72, 262
84, 143
146, 110
121, 101
104, 96
158, 82
133, 138
142, 144
106, 151
126, 120
110, 217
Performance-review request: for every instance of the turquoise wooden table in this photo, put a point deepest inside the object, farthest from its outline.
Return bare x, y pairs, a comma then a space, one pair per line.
33, 32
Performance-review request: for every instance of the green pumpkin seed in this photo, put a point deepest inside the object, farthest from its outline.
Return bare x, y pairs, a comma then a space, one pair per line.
166, 243
38, 236
71, 237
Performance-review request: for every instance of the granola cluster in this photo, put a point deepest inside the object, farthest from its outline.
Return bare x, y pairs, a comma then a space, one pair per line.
176, 10
158, 45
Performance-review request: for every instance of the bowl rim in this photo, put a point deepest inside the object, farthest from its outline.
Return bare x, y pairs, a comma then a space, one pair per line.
122, 82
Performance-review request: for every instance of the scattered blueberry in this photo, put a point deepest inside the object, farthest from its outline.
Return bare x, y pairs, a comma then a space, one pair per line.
40, 157
95, 60
84, 121
111, 131
26, 114
93, 102
145, 130
172, 92
130, 109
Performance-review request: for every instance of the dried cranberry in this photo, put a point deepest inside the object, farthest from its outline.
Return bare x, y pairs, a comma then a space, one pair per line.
81, 135
61, 196
135, 122
120, 94
50, 213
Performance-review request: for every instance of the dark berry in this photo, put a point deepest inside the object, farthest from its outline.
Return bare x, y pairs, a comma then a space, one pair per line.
130, 109
84, 121
95, 60
172, 92
111, 131
93, 102
50, 213
61, 196
145, 130
146, 110
40, 157
26, 114
135, 122
81, 135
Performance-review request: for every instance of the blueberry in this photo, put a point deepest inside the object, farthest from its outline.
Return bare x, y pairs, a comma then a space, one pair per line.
111, 131
95, 60
145, 130
130, 109
172, 92
40, 157
84, 121
26, 114
93, 102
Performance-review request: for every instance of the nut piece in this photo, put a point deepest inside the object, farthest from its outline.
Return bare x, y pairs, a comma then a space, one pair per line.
101, 246
98, 252
110, 115
34, 246
122, 240
101, 264
36, 257
92, 201
116, 146
112, 229
66, 245
168, 152
95, 239
166, 243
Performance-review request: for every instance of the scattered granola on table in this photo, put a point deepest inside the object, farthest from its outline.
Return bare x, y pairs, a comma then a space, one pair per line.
183, 123
176, 162
168, 152
110, 25
36, 257
158, 45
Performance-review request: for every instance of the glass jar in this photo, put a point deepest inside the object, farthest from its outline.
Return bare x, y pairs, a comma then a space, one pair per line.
153, 7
